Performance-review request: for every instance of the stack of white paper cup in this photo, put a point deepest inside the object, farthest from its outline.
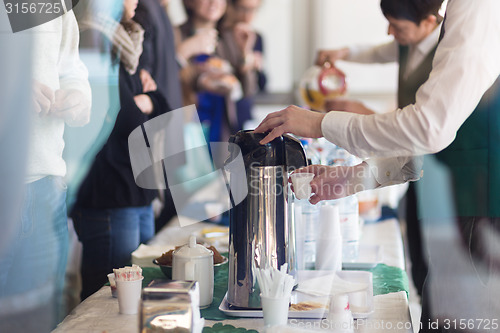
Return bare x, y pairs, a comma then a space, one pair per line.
301, 184
329, 242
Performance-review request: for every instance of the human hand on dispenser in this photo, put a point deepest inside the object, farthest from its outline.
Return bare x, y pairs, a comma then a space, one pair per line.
292, 119
335, 182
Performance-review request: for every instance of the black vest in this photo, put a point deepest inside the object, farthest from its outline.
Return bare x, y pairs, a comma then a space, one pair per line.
473, 158
407, 89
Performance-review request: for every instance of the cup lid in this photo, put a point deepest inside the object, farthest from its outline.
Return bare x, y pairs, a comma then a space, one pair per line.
193, 250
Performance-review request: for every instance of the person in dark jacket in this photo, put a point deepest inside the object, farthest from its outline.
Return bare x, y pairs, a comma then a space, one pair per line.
159, 65
113, 215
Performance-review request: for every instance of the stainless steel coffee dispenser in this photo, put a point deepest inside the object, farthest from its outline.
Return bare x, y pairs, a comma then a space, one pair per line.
261, 234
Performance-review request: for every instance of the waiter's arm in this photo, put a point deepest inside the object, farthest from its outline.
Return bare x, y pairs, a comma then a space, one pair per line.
465, 65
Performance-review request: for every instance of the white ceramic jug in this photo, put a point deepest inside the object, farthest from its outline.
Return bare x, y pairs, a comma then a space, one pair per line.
194, 262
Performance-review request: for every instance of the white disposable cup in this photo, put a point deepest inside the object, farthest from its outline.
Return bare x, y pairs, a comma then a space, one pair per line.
301, 184
129, 295
329, 241
275, 310
112, 284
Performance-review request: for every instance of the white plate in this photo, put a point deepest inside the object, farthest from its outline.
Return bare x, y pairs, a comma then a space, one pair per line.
257, 313
369, 257
298, 297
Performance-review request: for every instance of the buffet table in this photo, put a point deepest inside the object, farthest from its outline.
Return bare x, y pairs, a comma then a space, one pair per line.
99, 312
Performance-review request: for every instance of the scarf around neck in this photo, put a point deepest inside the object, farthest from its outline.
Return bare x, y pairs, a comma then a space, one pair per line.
126, 37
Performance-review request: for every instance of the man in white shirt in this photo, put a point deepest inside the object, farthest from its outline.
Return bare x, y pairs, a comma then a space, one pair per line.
416, 26
33, 264
465, 66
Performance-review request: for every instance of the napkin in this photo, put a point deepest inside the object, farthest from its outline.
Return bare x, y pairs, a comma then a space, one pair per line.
319, 286
143, 256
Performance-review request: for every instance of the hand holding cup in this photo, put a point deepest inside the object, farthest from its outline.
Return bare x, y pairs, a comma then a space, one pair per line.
302, 184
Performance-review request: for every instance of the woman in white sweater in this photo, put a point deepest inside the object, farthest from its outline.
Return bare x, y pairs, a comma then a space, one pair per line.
33, 267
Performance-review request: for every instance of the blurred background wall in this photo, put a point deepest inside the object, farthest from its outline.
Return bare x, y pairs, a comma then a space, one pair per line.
293, 30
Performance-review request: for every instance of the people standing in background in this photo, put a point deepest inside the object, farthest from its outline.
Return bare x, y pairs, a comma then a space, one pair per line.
34, 264
159, 63
15, 65
207, 79
158, 58
416, 26
112, 215
102, 38
243, 47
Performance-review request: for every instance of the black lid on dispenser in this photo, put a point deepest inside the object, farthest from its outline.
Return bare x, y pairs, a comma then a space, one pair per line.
284, 150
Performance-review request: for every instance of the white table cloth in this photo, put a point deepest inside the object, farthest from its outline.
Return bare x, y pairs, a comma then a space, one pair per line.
99, 312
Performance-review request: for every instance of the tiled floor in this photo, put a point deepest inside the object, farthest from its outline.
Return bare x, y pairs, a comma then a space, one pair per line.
459, 290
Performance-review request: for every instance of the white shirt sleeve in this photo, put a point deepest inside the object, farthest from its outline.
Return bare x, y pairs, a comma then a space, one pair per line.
381, 54
465, 65
396, 170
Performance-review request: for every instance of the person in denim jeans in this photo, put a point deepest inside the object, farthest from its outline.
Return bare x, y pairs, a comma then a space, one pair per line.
36, 260
109, 236
33, 262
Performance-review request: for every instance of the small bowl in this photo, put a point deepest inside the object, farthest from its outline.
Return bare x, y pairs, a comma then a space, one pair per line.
167, 269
